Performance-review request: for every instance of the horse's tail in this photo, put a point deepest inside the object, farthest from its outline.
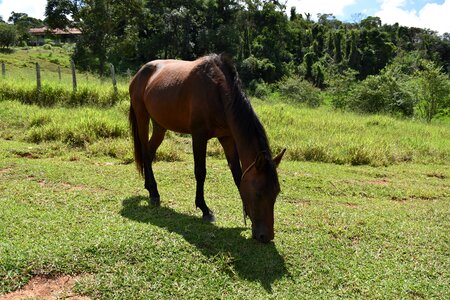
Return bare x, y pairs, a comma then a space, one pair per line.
138, 158
139, 127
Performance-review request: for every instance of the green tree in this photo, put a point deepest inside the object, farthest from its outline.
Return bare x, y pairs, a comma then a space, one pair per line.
61, 13
23, 23
353, 52
376, 51
309, 60
267, 36
8, 35
434, 90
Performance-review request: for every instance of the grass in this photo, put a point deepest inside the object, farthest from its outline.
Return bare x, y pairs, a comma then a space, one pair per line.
363, 211
19, 83
71, 203
348, 138
341, 230
309, 134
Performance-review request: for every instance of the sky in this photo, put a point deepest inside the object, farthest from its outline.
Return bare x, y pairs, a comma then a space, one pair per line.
431, 14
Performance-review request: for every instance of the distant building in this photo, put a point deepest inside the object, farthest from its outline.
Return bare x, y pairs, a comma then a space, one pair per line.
68, 35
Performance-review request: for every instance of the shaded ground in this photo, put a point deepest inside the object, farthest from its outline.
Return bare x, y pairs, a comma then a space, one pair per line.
41, 287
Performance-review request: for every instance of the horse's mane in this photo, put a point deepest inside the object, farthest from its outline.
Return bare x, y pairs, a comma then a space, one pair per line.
241, 109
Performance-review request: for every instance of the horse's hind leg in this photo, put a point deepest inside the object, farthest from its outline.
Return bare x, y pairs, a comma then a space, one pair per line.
199, 143
150, 182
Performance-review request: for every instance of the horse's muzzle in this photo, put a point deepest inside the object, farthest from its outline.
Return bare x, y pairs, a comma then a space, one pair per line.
262, 234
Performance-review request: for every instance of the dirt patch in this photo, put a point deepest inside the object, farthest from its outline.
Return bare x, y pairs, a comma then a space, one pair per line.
48, 288
437, 175
382, 181
71, 187
414, 197
5, 170
57, 186
26, 155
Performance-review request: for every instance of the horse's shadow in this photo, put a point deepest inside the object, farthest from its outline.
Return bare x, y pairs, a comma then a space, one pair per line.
244, 257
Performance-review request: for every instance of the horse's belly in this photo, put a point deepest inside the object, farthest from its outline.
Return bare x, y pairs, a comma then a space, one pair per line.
170, 114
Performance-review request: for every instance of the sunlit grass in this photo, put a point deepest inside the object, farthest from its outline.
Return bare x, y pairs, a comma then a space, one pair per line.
319, 135
363, 211
340, 231
348, 138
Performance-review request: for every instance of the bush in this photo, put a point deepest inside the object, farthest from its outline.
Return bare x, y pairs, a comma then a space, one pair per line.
259, 89
255, 68
340, 87
382, 94
295, 89
433, 91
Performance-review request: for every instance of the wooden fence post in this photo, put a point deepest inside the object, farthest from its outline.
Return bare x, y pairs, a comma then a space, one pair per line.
3, 69
113, 76
38, 77
74, 76
59, 73
38, 82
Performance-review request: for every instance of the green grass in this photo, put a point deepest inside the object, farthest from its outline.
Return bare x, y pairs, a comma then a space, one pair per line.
341, 231
71, 203
348, 138
19, 83
363, 211
308, 134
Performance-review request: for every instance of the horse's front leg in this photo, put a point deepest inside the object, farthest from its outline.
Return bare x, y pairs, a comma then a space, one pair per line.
231, 153
199, 143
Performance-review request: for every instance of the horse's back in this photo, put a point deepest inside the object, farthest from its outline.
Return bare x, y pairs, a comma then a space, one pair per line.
182, 95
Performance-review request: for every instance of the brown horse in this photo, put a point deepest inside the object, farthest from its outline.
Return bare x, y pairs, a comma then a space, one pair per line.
204, 98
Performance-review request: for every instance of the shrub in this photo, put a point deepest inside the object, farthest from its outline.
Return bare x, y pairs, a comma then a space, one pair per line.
340, 87
253, 67
295, 89
259, 89
433, 92
382, 94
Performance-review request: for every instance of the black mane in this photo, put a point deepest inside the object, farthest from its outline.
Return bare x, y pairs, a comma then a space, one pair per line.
241, 109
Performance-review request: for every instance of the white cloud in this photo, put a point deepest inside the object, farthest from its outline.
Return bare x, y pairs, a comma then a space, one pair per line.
314, 7
433, 16
34, 8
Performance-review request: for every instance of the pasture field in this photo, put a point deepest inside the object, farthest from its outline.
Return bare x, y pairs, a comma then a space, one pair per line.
363, 213
368, 224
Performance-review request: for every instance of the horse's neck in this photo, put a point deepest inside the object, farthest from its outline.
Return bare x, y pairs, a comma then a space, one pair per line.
247, 150
247, 135
248, 147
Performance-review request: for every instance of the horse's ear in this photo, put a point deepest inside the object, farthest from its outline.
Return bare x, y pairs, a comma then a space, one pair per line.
261, 160
278, 158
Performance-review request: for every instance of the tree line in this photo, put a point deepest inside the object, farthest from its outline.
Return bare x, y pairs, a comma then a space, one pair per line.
267, 43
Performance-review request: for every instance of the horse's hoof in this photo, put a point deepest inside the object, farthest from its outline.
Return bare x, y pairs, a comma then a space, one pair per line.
209, 217
155, 201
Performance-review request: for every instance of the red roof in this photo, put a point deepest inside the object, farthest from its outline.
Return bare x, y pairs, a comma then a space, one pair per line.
57, 31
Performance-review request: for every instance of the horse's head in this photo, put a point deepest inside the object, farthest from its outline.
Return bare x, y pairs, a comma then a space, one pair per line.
259, 188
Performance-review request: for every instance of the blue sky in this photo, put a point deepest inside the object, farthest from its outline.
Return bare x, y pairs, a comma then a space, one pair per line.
371, 7
432, 14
